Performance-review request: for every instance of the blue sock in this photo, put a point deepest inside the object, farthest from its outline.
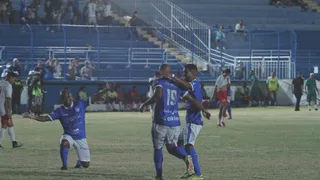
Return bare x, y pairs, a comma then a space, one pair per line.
192, 152
64, 156
78, 164
178, 152
158, 158
229, 110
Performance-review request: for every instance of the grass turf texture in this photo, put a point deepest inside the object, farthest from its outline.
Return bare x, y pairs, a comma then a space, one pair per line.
260, 143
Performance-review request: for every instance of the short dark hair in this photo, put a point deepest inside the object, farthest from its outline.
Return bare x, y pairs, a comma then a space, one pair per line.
191, 67
11, 74
163, 67
227, 71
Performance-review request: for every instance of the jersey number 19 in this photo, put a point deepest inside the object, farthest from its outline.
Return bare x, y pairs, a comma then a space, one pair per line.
171, 97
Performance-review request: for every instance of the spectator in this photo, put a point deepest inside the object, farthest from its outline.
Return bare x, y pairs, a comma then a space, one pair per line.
34, 7
135, 98
112, 101
276, 3
240, 27
71, 13
220, 38
204, 92
273, 86
48, 10
92, 10
86, 71
57, 69
133, 23
16, 98
3, 12
303, 6
107, 15
120, 99
255, 91
85, 14
298, 89
72, 70
49, 69
16, 66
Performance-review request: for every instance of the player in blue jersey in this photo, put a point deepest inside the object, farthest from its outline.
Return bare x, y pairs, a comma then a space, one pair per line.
72, 118
194, 121
166, 120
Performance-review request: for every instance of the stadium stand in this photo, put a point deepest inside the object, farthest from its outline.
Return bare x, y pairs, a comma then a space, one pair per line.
118, 54
270, 28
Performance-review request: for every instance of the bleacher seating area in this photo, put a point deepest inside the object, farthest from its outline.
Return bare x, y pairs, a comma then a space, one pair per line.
270, 28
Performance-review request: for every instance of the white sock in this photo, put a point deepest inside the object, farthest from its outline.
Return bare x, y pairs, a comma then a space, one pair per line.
219, 121
120, 106
2, 134
134, 106
110, 107
316, 106
222, 119
11, 134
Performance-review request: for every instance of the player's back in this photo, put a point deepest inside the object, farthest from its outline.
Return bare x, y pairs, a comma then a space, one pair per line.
166, 109
193, 113
72, 119
5, 90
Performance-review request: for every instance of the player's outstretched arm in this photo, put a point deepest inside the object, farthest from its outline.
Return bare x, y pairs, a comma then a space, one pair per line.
182, 83
156, 96
193, 101
39, 118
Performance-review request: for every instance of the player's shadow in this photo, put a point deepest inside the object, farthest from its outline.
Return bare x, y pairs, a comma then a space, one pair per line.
71, 173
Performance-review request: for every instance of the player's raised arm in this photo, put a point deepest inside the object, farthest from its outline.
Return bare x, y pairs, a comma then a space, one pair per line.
182, 83
193, 101
156, 97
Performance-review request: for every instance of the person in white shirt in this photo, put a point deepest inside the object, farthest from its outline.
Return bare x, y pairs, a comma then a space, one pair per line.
57, 69
240, 27
6, 108
220, 91
92, 10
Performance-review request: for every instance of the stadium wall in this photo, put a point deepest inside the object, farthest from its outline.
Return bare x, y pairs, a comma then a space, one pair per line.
239, 96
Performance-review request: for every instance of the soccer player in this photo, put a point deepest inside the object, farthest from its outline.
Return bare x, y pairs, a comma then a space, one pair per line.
72, 118
166, 120
311, 88
6, 108
222, 84
194, 121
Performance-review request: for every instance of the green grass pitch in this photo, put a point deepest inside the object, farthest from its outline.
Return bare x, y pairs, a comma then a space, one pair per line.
259, 143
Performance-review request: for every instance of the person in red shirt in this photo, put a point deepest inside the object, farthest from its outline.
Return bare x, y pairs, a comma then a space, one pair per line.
135, 98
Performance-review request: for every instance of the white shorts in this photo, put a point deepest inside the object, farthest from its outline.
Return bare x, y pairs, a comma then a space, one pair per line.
81, 147
164, 135
92, 20
190, 133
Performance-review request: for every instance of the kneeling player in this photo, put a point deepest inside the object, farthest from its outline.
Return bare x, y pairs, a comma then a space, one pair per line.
6, 108
72, 119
